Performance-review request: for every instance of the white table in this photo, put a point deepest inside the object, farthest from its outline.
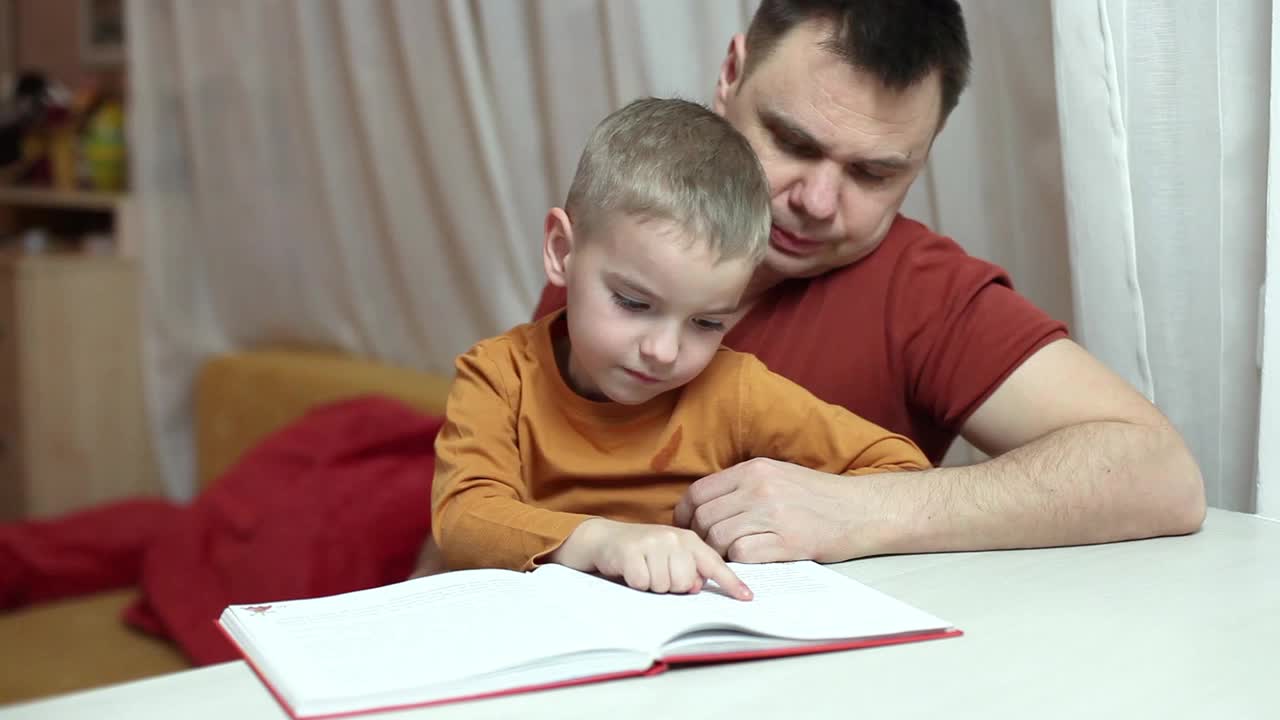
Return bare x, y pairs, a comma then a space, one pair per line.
1185, 627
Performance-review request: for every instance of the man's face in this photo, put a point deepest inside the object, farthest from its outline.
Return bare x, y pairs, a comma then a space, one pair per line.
839, 149
647, 309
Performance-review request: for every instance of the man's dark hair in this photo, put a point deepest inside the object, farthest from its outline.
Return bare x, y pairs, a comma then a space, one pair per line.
899, 41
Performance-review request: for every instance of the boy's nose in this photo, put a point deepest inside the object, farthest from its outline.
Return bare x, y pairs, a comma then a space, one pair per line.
662, 345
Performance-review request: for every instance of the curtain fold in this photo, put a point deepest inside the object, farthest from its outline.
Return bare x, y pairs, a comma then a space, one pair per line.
1268, 355
1163, 109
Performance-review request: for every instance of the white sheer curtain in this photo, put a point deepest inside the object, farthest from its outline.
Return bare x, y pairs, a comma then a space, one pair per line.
1268, 484
372, 176
1164, 110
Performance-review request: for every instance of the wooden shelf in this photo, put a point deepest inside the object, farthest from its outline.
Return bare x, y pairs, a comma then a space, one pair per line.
66, 199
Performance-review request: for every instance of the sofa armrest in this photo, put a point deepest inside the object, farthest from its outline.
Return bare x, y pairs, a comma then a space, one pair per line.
243, 397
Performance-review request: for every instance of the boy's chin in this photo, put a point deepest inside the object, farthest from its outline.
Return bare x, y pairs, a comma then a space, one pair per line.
630, 396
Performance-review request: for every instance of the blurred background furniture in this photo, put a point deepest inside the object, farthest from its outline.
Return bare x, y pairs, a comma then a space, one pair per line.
82, 642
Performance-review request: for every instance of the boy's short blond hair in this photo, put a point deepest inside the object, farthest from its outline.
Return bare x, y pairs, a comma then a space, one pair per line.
674, 160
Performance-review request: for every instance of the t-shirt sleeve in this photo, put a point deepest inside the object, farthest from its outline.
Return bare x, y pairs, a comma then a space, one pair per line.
479, 514
781, 420
962, 329
553, 298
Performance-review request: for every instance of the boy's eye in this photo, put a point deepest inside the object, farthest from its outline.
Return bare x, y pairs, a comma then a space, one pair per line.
627, 303
709, 325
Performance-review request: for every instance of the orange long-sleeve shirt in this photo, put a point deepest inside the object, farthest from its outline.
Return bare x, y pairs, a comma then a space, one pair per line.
522, 459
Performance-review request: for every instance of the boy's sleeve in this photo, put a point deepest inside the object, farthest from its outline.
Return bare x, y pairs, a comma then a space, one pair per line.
781, 420
479, 515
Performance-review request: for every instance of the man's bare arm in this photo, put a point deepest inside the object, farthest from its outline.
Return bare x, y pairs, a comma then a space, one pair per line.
1080, 458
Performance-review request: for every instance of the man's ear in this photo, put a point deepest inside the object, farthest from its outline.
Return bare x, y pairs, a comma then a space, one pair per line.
730, 78
557, 246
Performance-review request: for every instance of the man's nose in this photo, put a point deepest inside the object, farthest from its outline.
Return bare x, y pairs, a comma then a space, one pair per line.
815, 193
661, 344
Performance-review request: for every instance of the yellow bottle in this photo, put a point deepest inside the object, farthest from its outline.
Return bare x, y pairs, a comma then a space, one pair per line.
104, 148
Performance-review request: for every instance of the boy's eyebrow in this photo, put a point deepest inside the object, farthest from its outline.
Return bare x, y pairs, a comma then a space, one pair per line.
779, 123
634, 285
727, 310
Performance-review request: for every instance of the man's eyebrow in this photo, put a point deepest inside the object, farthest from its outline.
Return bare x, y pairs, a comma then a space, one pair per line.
893, 162
781, 124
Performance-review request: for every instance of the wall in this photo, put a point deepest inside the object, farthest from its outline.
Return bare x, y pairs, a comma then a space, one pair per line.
7, 37
48, 38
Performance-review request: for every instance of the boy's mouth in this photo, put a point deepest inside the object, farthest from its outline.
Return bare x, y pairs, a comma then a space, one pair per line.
641, 376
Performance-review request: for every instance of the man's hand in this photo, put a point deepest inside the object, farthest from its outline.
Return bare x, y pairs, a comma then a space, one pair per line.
656, 558
766, 510
1078, 457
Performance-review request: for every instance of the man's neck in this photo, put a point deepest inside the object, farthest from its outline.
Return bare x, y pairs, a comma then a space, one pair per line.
764, 280
761, 283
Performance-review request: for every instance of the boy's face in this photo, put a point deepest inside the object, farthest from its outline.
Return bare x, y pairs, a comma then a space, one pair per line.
647, 308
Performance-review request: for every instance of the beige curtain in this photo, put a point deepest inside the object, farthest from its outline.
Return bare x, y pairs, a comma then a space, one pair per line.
371, 176
994, 180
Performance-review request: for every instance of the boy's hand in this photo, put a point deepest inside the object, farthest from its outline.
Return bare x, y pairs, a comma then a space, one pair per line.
657, 558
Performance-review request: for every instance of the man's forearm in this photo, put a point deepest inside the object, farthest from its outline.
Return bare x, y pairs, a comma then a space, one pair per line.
1089, 483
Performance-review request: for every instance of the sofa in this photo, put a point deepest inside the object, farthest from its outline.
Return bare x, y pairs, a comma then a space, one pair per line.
81, 643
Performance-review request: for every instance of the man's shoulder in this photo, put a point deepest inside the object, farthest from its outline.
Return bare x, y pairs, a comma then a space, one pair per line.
910, 246
912, 265
919, 247
910, 234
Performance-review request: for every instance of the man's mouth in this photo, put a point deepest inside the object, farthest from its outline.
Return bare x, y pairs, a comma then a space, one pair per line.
793, 244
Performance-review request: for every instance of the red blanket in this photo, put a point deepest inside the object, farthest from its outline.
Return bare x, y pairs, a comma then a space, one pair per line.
337, 501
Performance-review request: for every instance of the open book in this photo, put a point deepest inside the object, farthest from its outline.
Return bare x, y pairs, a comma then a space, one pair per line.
473, 633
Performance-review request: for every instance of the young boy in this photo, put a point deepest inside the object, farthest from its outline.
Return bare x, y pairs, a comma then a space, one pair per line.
571, 439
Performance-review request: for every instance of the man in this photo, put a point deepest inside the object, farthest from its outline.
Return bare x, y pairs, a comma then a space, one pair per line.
870, 310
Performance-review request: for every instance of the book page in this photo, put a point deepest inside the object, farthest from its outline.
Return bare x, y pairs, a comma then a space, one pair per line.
795, 601
806, 601
428, 631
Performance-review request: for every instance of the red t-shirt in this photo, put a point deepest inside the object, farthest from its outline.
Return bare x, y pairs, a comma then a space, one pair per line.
913, 337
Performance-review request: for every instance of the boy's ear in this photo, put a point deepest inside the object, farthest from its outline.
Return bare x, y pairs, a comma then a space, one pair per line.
730, 78
557, 246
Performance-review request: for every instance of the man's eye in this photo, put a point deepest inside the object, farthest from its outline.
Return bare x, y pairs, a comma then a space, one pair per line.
794, 147
862, 174
627, 303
